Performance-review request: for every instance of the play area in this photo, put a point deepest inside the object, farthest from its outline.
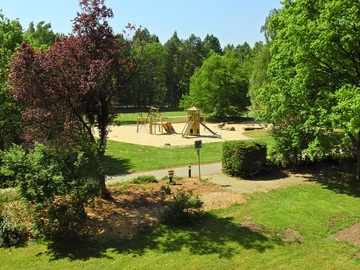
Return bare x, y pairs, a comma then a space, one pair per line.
157, 130
154, 123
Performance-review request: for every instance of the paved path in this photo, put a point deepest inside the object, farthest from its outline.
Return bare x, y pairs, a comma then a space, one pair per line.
212, 172
205, 171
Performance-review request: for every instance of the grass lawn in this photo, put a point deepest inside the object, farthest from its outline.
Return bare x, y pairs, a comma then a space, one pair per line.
126, 118
125, 157
219, 241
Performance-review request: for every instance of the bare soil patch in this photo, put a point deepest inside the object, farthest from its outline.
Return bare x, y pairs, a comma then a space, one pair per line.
134, 208
351, 235
138, 207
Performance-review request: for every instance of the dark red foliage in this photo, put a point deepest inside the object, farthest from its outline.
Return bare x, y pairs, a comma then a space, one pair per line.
71, 88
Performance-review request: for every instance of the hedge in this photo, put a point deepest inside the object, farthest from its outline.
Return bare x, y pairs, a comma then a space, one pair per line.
243, 158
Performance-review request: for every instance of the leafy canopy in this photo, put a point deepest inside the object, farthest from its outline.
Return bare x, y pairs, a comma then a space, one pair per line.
314, 76
219, 87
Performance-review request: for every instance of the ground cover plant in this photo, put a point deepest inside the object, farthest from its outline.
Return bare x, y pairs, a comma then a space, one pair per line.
290, 228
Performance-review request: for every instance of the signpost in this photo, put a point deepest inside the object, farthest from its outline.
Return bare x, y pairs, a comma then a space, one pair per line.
198, 145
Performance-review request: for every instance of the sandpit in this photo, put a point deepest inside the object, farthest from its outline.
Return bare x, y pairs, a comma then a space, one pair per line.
129, 134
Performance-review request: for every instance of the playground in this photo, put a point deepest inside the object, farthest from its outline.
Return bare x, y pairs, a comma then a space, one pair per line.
155, 130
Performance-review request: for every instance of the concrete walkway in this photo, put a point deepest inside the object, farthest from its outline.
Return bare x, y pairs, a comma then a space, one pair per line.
213, 173
205, 171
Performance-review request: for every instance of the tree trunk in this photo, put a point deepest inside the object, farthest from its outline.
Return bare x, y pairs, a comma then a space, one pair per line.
104, 192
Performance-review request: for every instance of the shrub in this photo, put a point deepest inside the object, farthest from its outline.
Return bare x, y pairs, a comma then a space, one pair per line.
243, 158
181, 208
8, 195
10, 233
56, 183
143, 179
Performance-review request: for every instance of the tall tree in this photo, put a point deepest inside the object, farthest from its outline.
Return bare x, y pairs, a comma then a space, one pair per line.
174, 69
259, 74
219, 87
314, 70
148, 85
41, 37
10, 113
72, 88
212, 44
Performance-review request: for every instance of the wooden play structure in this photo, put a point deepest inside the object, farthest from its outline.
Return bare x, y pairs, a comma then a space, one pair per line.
155, 122
192, 126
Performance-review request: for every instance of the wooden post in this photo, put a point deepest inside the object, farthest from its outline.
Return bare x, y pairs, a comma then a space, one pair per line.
150, 125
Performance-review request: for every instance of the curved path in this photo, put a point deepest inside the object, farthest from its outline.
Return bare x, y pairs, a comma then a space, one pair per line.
212, 172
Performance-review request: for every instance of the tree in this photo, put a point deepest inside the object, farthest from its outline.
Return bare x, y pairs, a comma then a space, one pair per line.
174, 70
259, 74
219, 87
148, 85
314, 70
72, 88
212, 44
259, 77
41, 37
10, 113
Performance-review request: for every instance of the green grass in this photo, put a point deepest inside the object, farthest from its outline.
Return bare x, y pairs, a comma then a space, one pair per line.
125, 157
219, 241
126, 118
263, 136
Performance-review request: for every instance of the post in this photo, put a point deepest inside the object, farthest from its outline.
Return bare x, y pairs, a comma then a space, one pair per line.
171, 175
150, 125
189, 171
198, 145
198, 151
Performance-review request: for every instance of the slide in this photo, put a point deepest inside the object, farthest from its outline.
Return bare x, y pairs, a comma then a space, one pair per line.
168, 128
208, 129
187, 128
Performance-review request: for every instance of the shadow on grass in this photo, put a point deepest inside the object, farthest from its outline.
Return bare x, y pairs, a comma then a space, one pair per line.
212, 235
274, 174
115, 166
337, 177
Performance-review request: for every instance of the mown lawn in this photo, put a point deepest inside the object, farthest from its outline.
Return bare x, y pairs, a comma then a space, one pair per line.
125, 157
126, 118
219, 241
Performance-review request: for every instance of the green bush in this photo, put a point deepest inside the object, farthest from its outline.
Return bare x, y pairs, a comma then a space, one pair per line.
243, 158
143, 179
56, 183
10, 233
181, 208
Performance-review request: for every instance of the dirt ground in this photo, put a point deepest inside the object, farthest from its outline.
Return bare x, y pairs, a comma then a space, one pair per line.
129, 134
137, 207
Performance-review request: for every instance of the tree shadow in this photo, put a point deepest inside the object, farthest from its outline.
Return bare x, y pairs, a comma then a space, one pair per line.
211, 235
115, 166
334, 176
274, 174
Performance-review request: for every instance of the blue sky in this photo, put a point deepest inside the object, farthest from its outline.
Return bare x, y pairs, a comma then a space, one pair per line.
231, 21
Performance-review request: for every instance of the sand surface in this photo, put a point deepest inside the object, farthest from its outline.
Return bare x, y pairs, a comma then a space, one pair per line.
129, 134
